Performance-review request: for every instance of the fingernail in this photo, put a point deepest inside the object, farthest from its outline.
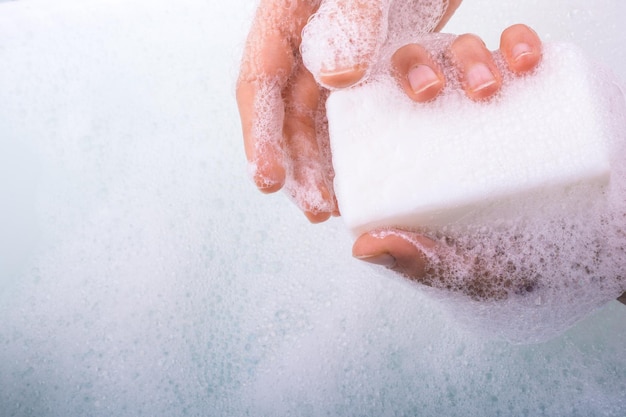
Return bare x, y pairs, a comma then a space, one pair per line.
382, 259
421, 78
343, 77
521, 50
480, 77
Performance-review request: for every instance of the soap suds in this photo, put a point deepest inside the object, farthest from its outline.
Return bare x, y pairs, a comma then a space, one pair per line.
340, 36
266, 130
303, 153
550, 256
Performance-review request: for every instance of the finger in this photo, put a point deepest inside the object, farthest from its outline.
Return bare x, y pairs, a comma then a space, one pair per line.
307, 182
521, 48
403, 252
266, 67
418, 74
420, 259
343, 38
479, 75
452, 6
261, 111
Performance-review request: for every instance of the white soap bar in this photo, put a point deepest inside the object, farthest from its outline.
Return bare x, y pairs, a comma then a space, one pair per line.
413, 165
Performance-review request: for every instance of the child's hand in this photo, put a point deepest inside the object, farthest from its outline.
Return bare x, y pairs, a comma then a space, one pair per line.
282, 107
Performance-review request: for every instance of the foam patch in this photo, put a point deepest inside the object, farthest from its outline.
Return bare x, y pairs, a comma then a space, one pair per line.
408, 165
523, 195
340, 36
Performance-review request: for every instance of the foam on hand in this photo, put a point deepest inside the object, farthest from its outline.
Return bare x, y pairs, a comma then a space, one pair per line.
340, 36
525, 190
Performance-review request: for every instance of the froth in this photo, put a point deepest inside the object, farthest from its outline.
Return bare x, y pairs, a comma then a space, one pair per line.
303, 154
342, 37
338, 37
267, 131
531, 263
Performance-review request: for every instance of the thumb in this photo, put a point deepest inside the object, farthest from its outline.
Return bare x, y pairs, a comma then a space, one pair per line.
407, 253
342, 40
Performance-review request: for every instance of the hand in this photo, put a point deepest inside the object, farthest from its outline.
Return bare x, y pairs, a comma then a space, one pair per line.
411, 254
422, 78
281, 105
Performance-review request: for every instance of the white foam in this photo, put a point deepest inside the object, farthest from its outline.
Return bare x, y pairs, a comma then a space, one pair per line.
405, 164
523, 194
340, 36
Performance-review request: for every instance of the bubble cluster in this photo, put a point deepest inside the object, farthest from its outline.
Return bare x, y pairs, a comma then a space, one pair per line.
528, 279
346, 35
532, 232
342, 35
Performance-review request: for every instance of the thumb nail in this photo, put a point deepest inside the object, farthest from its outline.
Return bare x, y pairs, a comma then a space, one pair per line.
342, 78
382, 259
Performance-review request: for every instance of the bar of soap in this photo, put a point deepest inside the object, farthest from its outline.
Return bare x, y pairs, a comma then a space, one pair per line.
427, 165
